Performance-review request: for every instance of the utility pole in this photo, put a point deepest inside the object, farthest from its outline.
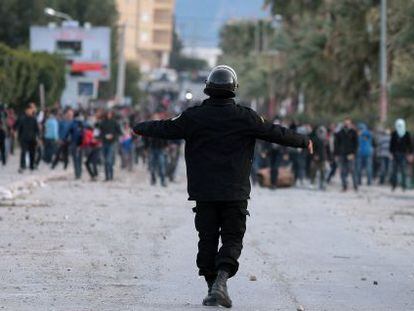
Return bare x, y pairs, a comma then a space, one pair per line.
42, 96
383, 66
120, 87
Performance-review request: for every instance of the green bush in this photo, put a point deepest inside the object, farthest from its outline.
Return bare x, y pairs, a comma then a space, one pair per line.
22, 72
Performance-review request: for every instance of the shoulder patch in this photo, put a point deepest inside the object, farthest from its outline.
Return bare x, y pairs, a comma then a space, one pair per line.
176, 117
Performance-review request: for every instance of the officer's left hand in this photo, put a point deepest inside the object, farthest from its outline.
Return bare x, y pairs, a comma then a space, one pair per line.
310, 147
133, 133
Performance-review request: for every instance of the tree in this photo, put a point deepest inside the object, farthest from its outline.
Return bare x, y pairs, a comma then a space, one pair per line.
16, 17
244, 45
331, 52
238, 38
133, 77
180, 62
401, 50
50, 73
293, 9
21, 73
97, 12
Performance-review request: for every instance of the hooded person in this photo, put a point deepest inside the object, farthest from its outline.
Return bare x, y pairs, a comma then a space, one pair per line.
400, 148
220, 137
400, 127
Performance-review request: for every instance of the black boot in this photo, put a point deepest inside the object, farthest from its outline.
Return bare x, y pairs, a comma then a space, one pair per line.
209, 300
219, 289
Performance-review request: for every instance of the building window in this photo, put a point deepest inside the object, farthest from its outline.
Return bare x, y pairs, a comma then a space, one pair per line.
69, 48
163, 1
161, 37
162, 16
145, 17
85, 89
144, 37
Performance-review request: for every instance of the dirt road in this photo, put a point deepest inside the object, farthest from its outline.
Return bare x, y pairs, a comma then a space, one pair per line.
129, 246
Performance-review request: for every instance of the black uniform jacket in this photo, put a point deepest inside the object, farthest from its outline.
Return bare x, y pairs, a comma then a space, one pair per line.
220, 138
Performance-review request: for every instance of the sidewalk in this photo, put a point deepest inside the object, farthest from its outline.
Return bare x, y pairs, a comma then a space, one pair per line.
13, 184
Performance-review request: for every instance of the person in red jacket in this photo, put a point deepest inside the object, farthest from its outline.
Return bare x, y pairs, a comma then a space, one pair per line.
92, 144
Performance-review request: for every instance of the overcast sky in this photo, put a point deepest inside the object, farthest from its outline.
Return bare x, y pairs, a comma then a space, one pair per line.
198, 21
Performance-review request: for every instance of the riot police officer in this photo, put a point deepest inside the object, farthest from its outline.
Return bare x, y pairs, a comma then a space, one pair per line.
220, 138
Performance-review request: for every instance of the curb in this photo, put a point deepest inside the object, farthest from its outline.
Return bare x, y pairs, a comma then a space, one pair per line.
28, 184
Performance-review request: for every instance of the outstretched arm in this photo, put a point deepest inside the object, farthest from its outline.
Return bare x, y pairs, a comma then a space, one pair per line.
274, 133
167, 129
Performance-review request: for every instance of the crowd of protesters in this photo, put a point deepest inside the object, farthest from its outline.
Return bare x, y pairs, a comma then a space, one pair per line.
383, 156
93, 139
87, 139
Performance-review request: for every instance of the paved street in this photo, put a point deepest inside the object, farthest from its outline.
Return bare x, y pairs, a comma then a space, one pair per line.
77, 245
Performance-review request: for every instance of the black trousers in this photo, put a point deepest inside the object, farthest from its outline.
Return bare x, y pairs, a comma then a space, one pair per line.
92, 162
28, 147
275, 160
2, 147
215, 220
62, 153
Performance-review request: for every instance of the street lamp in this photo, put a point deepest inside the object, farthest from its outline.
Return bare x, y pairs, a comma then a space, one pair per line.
53, 12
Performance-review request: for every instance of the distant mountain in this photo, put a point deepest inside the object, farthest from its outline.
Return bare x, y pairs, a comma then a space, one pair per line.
198, 21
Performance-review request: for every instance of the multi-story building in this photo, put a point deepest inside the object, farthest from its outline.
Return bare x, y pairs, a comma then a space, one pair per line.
148, 31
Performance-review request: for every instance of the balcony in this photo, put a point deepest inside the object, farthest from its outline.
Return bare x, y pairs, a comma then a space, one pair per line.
164, 4
162, 39
162, 17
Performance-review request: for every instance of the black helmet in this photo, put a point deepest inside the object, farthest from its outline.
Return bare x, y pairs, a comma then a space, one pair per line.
221, 82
